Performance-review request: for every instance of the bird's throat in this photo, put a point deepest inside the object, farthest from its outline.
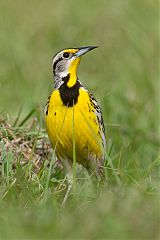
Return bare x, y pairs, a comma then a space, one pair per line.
73, 73
72, 80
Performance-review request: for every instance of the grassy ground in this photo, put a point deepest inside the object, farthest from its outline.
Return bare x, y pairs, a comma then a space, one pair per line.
122, 74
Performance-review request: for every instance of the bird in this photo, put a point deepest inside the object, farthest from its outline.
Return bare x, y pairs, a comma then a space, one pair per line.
73, 116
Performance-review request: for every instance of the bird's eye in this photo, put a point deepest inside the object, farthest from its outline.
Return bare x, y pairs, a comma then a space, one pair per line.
66, 55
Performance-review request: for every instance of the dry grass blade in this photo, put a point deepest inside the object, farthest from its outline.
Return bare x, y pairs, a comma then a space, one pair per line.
25, 144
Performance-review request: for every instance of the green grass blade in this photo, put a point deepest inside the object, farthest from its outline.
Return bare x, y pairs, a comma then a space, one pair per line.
27, 117
74, 151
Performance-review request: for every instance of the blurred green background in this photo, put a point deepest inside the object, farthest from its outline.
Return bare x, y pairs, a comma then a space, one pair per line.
123, 69
123, 75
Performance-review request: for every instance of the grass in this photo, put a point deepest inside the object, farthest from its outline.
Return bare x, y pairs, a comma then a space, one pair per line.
122, 74
32, 192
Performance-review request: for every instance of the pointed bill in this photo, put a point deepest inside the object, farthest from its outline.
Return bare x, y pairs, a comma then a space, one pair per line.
81, 51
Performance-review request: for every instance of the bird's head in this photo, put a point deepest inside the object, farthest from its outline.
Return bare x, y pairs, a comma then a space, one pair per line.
65, 63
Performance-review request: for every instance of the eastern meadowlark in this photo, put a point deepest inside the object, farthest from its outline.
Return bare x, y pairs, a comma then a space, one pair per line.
73, 116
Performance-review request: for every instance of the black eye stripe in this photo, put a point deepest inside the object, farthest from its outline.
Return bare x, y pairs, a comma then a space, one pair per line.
57, 61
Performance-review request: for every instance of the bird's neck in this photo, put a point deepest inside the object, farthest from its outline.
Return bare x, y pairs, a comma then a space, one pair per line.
69, 79
72, 72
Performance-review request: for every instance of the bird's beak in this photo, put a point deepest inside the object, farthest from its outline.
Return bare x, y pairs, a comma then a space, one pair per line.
82, 50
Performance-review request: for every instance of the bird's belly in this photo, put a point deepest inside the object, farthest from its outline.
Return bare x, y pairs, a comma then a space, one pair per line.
66, 125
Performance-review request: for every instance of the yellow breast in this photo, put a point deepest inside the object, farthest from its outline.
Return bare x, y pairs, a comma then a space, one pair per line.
60, 121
